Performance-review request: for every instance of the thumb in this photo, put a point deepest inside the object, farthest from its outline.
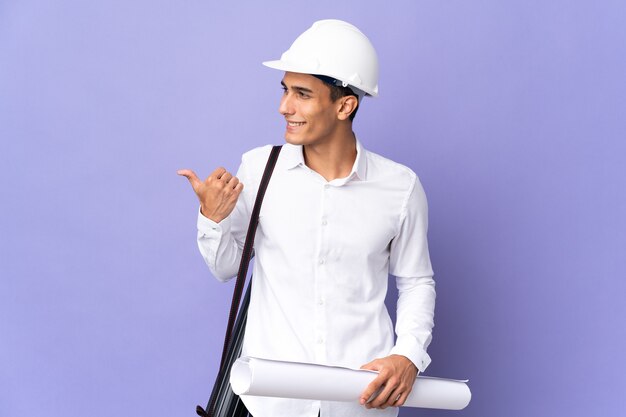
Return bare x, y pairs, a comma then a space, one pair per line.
191, 176
372, 366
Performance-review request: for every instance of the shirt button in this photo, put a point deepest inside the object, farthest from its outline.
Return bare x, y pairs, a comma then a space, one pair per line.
321, 261
324, 222
320, 340
320, 302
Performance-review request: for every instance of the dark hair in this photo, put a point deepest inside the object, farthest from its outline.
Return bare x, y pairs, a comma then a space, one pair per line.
336, 92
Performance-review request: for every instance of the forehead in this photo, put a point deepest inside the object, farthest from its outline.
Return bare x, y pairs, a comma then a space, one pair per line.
295, 79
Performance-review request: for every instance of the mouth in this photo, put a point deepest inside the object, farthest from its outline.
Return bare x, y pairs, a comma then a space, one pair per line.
295, 124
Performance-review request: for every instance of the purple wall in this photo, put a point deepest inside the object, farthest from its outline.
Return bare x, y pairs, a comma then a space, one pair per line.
512, 113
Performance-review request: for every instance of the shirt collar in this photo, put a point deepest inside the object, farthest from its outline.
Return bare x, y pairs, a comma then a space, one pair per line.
292, 157
360, 164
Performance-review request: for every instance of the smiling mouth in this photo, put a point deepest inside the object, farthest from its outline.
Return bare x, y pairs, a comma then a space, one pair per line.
295, 124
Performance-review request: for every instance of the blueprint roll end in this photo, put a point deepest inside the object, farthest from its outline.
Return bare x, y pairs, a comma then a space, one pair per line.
240, 376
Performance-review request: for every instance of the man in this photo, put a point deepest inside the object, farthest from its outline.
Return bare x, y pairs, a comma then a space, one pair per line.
335, 221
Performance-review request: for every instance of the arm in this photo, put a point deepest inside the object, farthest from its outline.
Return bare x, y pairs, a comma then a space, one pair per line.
410, 263
222, 219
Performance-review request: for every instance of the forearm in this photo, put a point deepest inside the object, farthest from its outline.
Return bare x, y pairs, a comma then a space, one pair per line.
415, 319
219, 248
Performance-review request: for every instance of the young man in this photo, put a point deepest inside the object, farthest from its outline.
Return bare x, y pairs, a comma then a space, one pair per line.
335, 221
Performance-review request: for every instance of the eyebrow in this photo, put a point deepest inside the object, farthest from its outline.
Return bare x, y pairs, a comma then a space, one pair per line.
297, 88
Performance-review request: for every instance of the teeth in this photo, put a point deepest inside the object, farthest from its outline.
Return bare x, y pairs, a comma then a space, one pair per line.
295, 123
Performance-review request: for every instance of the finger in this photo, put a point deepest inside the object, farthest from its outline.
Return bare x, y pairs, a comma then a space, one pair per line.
400, 402
369, 391
383, 398
393, 398
234, 181
373, 386
232, 194
218, 172
191, 176
226, 176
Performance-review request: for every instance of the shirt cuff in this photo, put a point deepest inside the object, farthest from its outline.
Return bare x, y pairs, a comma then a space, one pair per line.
408, 347
208, 227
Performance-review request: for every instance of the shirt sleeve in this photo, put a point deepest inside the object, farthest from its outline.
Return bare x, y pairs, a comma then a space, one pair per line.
221, 244
410, 264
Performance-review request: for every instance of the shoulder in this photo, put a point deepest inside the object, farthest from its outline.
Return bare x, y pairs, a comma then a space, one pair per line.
251, 169
256, 155
380, 168
253, 161
398, 179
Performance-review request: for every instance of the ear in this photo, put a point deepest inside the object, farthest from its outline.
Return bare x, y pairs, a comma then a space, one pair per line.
348, 105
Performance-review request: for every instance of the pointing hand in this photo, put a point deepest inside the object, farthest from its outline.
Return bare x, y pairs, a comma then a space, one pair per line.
218, 194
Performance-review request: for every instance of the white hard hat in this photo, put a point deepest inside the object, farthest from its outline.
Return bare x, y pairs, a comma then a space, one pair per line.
336, 49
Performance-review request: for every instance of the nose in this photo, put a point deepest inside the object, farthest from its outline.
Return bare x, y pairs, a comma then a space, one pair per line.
286, 104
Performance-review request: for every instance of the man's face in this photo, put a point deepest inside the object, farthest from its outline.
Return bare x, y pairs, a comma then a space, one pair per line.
310, 114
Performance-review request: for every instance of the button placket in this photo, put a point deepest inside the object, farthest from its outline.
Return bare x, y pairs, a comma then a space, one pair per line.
322, 277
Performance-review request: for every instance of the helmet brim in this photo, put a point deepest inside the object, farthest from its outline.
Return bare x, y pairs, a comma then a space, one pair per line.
301, 69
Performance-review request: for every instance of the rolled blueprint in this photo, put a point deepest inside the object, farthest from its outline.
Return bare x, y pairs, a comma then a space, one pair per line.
269, 378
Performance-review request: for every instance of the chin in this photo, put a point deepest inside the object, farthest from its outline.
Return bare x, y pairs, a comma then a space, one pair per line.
295, 140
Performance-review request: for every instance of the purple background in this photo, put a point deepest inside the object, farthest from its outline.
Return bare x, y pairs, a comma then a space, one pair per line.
512, 113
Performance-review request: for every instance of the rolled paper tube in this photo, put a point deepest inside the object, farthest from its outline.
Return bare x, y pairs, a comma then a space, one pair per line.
270, 378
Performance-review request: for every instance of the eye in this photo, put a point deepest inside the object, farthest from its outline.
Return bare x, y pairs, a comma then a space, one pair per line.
284, 89
302, 94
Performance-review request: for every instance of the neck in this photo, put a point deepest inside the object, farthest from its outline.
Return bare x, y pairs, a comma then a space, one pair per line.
333, 159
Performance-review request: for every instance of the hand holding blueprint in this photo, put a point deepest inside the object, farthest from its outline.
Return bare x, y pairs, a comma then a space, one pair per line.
268, 378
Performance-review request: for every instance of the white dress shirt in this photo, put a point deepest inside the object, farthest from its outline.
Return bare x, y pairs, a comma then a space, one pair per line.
323, 252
